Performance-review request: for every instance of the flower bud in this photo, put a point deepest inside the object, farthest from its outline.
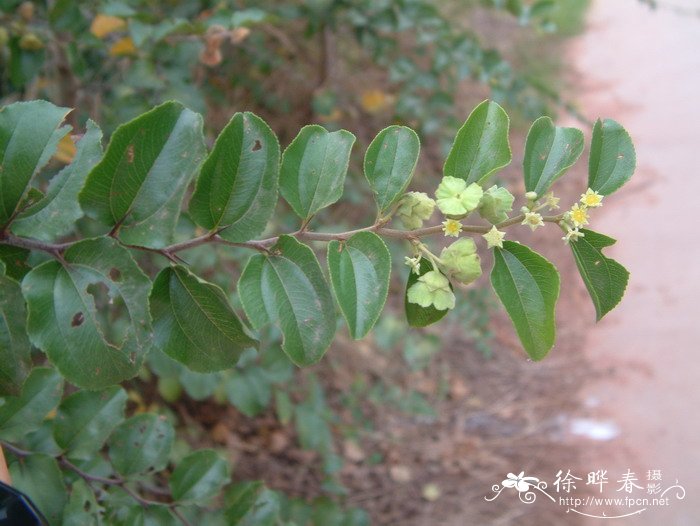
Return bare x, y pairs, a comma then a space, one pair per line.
30, 42
531, 196
414, 208
455, 199
432, 288
495, 204
461, 261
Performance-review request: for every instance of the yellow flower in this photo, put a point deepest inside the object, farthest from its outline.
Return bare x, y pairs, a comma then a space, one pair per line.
578, 215
494, 238
592, 199
551, 201
451, 227
533, 220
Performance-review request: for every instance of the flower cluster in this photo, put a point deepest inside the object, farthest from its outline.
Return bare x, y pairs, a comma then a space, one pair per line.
459, 262
578, 215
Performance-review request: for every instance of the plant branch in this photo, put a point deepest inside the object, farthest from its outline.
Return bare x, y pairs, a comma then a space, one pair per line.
90, 478
263, 245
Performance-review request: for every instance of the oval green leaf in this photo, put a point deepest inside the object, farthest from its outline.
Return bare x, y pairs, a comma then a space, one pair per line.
549, 151
360, 268
140, 444
14, 343
85, 420
612, 160
313, 169
237, 188
194, 323
481, 146
29, 134
22, 414
528, 286
287, 286
54, 215
390, 162
199, 476
71, 305
140, 182
416, 315
605, 279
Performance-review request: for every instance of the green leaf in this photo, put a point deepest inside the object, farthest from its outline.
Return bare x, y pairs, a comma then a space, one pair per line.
528, 286
15, 261
194, 323
85, 420
29, 134
39, 477
237, 187
360, 269
150, 516
54, 215
140, 444
313, 169
287, 286
14, 343
389, 164
199, 476
252, 504
549, 151
481, 146
416, 315
89, 314
249, 391
23, 414
82, 508
612, 160
605, 279
140, 182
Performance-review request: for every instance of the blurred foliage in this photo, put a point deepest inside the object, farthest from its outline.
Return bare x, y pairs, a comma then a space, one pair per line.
300, 59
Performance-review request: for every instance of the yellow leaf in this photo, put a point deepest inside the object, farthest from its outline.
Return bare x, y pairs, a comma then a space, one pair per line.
123, 46
103, 25
375, 100
66, 150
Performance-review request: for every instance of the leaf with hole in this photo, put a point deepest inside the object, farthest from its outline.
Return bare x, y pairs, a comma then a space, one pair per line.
481, 146
194, 323
82, 507
141, 443
55, 214
528, 286
85, 420
140, 182
605, 279
360, 268
389, 163
549, 152
89, 313
313, 169
29, 134
237, 188
612, 160
287, 286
